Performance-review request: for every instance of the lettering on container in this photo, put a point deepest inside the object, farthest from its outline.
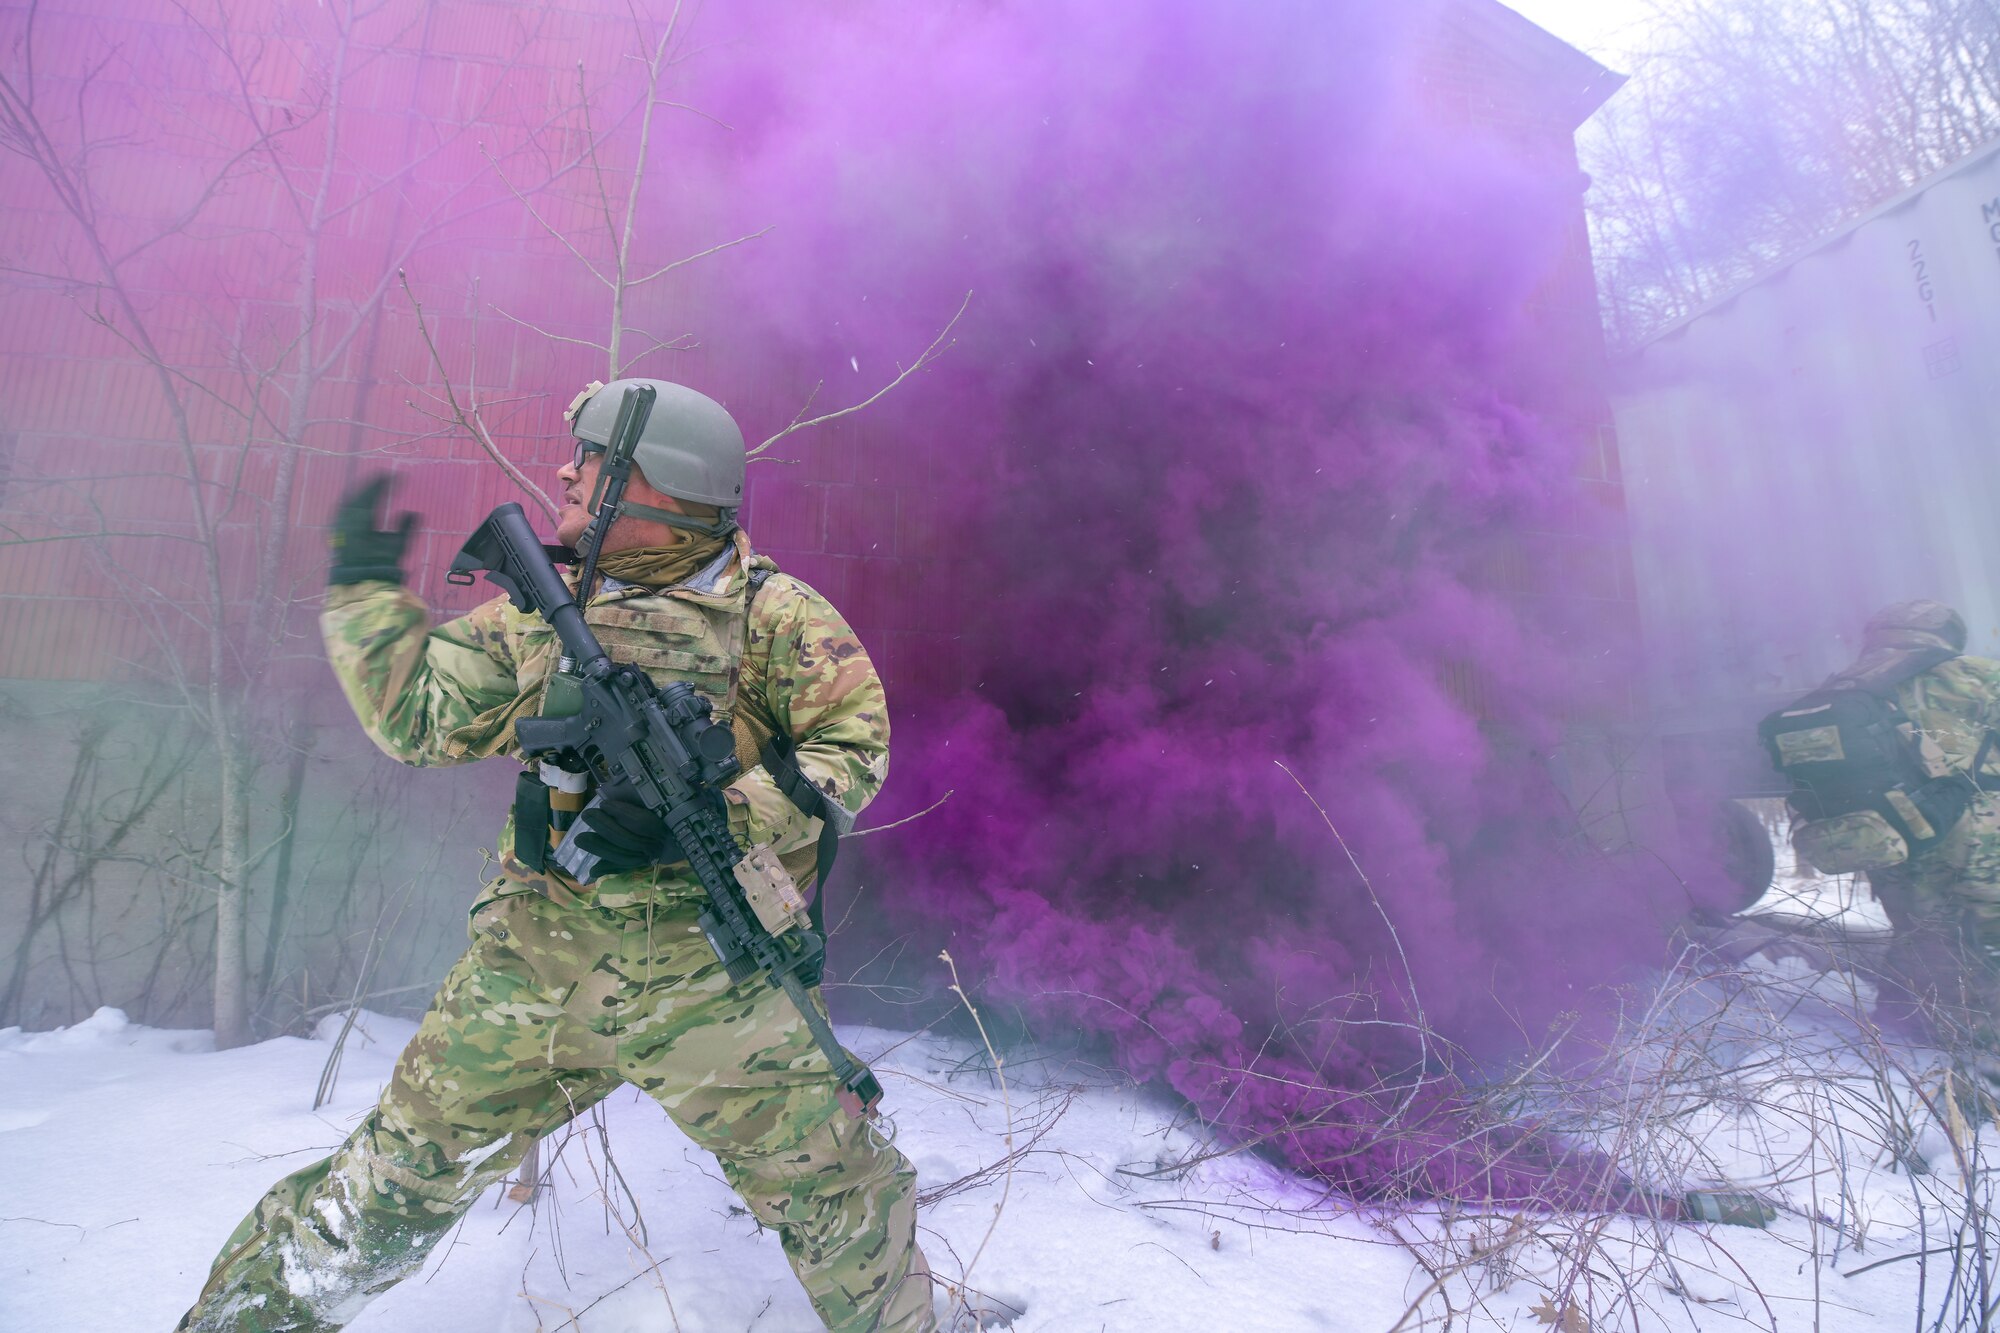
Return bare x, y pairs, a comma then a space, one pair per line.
1941, 358
1920, 269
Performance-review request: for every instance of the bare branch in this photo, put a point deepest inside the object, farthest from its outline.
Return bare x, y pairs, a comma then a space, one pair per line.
907, 819
554, 232
662, 271
467, 416
552, 337
938, 347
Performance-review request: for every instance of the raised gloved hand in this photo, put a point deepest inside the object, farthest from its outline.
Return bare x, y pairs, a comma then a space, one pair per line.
615, 834
362, 550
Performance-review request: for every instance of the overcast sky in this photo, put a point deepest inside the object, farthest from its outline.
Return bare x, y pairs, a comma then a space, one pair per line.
1599, 28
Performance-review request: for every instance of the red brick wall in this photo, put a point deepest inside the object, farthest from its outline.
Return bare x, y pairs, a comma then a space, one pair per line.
87, 444
1492, 74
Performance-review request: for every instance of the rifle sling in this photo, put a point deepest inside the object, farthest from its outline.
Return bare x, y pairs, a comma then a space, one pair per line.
1979, 759
776, 754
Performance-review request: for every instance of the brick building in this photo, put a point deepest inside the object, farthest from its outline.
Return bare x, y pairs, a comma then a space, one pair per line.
204, 337
87, 436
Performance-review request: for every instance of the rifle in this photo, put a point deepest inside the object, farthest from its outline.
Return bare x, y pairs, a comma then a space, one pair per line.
607, 496
664, 742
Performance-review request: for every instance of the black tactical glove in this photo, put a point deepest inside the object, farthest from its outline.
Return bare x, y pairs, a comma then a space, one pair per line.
616, 834
361, 550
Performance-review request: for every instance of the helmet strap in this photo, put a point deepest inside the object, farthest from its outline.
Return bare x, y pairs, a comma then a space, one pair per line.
601, 520
608, 495
724, 524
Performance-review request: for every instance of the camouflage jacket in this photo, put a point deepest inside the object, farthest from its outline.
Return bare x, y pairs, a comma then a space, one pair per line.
450, 694
1954, 705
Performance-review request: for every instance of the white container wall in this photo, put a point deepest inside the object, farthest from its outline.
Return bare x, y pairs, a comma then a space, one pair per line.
1823, 442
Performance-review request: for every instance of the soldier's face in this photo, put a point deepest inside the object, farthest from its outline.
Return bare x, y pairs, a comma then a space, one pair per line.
579, 483
578, 480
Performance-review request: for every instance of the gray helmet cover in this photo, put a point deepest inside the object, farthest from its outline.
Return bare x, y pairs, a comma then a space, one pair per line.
1902, 640
1921, 622
691, 448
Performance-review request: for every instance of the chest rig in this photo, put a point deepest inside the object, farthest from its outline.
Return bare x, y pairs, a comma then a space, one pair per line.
699, 638
695, 639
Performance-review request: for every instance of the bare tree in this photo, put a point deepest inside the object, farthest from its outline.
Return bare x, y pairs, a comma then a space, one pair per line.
102, 281
595, 168
1751, 128
243, 380
114, 784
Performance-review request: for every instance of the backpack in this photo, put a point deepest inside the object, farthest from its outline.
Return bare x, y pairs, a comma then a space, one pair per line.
1861, 780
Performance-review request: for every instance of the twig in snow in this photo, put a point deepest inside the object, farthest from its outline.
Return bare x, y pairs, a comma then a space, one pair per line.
1006, 1101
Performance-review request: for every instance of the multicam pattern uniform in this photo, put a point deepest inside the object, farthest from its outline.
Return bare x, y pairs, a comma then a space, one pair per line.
569, 991
1946, 902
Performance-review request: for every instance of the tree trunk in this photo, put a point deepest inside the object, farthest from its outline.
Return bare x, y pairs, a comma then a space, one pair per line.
300, 740
232, 977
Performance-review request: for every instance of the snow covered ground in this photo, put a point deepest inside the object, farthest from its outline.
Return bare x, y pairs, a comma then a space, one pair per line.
127, 1154
1798, 890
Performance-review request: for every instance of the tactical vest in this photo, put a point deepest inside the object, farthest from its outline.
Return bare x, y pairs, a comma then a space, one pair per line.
1869, 788
694, 637
674, 638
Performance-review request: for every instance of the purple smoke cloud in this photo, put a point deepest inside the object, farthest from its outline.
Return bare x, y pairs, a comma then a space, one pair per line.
1243, 414
1243, 403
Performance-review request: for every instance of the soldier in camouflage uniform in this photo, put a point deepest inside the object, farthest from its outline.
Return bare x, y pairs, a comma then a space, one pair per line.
577, 982
1944, 901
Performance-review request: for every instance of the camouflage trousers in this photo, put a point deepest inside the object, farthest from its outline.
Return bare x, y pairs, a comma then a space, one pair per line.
551, 1009
1944, 965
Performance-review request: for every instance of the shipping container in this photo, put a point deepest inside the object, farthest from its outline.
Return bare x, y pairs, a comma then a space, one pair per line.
1822, 442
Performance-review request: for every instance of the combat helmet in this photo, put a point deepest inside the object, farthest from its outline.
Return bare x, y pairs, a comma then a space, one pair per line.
1903, 639
1920, 623
691, 449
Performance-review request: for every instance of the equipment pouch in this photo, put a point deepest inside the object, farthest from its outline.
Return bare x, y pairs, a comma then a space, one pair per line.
568, 794
770, 890
1844, 844
531, 821
563, 697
